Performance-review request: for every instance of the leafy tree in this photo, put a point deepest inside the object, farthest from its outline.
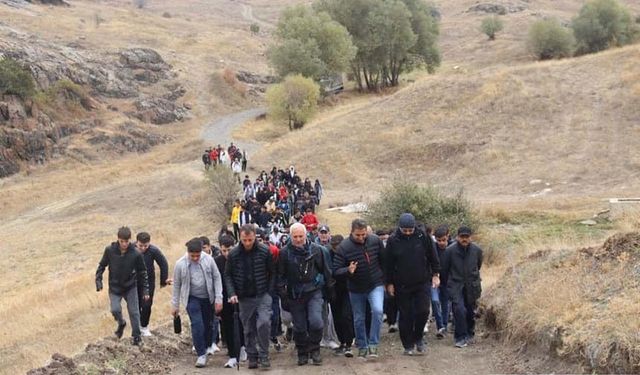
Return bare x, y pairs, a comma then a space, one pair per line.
602, 24
311, 44
549, 40
15, 79
295, 100
254, 28
491, 25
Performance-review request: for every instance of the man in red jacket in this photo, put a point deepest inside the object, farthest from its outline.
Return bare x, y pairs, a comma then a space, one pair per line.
310, 220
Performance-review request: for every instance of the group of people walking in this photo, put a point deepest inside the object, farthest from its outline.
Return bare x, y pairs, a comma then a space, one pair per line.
322, 287
231, 157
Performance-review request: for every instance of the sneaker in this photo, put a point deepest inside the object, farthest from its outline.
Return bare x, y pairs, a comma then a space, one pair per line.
348, 352
362, 353
421, 348
373, 351
315, 358
145, 332
339, 351
231, 363
136, 340
408, 352
471, 340
120, 330
210, 350
303, 359
441, 333
201, 361
253, 363
215, 348
243, 354
393, 328
426, 328
333, 345
265, 363
276, 344
323, 344
461, 344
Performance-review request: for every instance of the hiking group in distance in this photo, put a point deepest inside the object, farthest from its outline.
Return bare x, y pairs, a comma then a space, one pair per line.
280, 273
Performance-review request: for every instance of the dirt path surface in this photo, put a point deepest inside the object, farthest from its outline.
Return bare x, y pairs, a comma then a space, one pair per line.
219, 131
247, 14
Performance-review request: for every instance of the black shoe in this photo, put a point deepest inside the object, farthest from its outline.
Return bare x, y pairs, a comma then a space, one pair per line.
276, 344
339, 351
347, 352
303, 359
253, 363
120, 329
289, 335
315, 358
137, 341
265, 364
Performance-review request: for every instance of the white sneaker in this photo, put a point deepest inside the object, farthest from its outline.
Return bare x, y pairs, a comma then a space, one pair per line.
231, 363
201, 361
333, 345
145, 332
210, 350
215, 347
426, 328
243, 354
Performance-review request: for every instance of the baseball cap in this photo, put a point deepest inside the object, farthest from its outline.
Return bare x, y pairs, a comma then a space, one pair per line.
324, 228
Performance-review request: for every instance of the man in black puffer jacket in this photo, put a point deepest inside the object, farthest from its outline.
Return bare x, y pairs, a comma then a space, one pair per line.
126, 269
359, 258
412, 268
249, 276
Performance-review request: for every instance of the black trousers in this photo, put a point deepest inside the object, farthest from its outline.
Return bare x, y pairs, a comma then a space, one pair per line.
306, 313
145, 306
226, 316
414, 312
343, 318
390, 308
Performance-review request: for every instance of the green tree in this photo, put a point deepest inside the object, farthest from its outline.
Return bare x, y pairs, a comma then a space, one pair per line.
602, 24
310, 43
491, 25
295, 100
254, 28
548, 39
15, 79
428, 204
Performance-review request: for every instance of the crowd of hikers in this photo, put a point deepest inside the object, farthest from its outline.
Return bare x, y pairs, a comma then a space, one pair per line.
280, 275
231, 157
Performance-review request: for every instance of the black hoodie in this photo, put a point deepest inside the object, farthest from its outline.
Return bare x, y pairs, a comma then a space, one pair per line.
411, 260
124, 269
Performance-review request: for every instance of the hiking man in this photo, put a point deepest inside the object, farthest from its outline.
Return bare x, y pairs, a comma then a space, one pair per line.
150, 253
461, 268
441, 304
329, 336
303, 272
206, 159
126, 270
198, 286
249, 277
358, 258
412, 269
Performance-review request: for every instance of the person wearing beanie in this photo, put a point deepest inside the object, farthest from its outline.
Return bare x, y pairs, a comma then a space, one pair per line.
197, 284
412, 268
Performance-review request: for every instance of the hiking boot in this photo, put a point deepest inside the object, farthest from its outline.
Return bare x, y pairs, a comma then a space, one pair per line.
145, 332
136, 340
303, 359
315, 358
393, 328
253, 363
120, 330
461, 343
408, 352
201, 361
441, 333
265, 363
362, 353
373, 351
348, 352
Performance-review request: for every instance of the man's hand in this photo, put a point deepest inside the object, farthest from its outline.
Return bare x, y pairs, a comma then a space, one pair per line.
146, 297
435, 281
233, 300
98, 285
352, 267
391, 290
218, 308
167, 282
174, 312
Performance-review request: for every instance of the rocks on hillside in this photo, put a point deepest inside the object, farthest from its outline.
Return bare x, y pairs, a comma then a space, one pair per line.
158, 111
131, 138
50, 2
497, 8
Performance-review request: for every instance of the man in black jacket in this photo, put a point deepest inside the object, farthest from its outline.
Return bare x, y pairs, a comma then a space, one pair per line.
461, 265
359, 258
302, 274
150, 253
412, 268
249, 277
126, 267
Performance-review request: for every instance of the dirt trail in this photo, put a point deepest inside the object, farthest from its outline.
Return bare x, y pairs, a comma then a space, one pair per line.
247, 14
219, 131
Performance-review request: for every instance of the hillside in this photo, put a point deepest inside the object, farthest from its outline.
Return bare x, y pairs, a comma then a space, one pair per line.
573, 125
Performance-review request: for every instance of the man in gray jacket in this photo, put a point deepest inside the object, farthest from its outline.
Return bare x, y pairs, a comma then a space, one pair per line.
197, 284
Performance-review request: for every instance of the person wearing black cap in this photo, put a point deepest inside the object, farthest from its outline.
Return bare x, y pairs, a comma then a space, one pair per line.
197, 284
412, 269
461, 265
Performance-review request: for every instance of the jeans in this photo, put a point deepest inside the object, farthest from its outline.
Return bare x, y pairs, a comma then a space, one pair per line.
200, 315
307, 321
255, 315
375, 298
414, 312
463, 316
436, 307
445, 305
131, 296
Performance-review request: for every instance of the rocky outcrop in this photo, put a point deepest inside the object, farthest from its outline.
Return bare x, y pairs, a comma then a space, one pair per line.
500, 9
158, 111
131, 138
50, 2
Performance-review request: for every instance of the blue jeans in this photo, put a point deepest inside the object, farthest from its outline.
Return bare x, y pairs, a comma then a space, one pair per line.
375, 298
200, 315
436, 307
